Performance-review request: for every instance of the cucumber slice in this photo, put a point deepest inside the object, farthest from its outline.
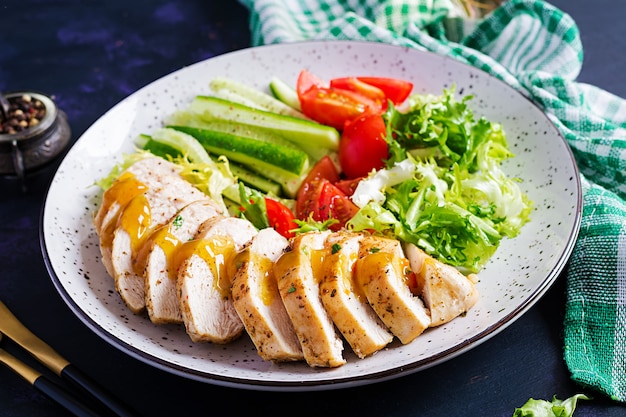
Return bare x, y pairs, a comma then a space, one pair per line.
285, 93
286, 166
255, 180
185, 144
188, 118
299, 131
247, 94
146, 142
248, 150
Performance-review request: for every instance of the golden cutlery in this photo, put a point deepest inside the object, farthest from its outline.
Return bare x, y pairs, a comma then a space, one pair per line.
46, 385
16, 331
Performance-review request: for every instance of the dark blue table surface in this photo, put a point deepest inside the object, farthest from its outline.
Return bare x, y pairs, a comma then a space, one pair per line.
89, 55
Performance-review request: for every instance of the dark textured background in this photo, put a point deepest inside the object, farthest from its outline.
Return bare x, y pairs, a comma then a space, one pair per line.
91, 54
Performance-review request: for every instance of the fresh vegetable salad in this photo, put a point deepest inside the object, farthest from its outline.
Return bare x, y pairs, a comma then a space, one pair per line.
361, 153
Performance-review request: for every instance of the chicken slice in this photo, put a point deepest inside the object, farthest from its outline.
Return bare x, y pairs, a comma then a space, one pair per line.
161, 269
446, 291
205, 276
135, 180
381, 273
142, 215
348, 308
298, 273
257, 300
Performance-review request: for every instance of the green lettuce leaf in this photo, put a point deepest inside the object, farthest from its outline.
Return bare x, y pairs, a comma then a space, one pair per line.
447, 194
554, 408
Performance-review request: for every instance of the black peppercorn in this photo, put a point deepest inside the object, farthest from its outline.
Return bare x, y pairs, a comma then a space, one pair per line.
24, 112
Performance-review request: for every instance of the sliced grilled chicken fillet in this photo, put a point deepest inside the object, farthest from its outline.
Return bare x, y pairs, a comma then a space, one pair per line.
257, 300
139, 218
135, 180
348, 308
161, 298
298, 273
205, 277
446, 291
381, 273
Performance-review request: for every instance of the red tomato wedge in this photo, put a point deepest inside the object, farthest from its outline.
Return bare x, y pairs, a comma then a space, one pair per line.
308, 194
307, 80
348, 186
372, 92
324, 168
362, 146
280, 217
331, 106
395, 89
325, 201
320, 198
334, 204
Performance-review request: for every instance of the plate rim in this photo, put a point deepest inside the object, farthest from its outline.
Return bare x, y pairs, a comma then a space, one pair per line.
258, 384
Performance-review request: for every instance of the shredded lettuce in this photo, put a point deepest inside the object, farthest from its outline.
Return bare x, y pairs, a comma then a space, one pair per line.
210, 177
447, 193
105, 183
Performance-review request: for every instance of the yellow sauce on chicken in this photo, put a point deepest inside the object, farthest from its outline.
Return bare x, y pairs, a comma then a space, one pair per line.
123, 190
135, 220
269, 286
218, 252
317, 257
163, 238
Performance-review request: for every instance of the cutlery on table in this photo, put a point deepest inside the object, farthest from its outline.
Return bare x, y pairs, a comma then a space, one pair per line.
11, 327
53, 390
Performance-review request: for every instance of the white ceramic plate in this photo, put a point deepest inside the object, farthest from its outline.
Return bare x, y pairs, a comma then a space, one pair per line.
520, 272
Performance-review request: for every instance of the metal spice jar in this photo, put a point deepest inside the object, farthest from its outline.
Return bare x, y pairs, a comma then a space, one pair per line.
32, 133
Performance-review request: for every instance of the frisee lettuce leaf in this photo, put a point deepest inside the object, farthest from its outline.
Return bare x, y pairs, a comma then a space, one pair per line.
554, 408
446, 192
210, 177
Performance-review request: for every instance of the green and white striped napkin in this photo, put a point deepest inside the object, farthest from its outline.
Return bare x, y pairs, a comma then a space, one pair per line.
535, 48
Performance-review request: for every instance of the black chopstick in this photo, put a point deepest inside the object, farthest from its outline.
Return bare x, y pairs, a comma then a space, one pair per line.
64, 398
45, 385
11, 327
77, 377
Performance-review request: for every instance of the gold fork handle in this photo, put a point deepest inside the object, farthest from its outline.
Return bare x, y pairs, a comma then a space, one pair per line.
16, 331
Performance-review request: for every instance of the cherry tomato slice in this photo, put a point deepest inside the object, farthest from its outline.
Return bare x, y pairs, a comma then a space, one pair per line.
331, 106
307, 80
348, 186
372, 92
363, 147
395, 89
280, 217
308, 194
324, 168
334, 107
334, 204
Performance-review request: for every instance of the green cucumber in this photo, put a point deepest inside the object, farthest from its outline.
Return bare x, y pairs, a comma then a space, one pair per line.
285, 93
189, 118
146, 142
244, 149
251, 96
299, 131
255, 180
286, 166
236, 98
180, 143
